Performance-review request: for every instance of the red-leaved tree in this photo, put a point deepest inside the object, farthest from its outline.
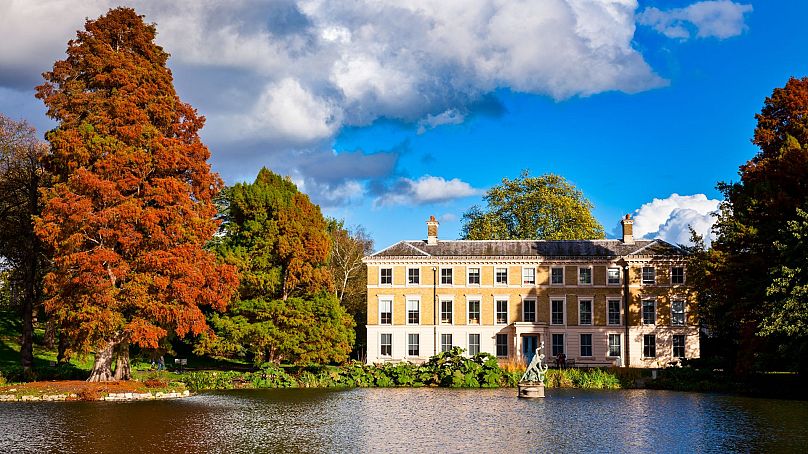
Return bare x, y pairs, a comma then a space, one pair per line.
131, 205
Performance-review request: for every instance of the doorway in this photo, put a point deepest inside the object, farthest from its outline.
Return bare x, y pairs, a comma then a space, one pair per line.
529, 345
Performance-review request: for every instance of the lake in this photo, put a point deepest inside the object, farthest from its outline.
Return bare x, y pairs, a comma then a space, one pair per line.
414, 420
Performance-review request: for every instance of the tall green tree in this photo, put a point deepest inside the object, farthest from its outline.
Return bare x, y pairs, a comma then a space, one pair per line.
287, 310
21, 177
131, 205
546, 207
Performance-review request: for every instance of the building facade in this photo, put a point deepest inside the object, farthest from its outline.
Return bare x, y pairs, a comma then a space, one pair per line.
600, 302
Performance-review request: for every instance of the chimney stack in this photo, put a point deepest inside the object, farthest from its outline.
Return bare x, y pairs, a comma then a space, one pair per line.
432, 231
628, 229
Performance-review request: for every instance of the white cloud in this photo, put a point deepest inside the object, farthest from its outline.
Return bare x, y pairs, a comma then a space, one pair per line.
447, 217
448, 117
426, 189
720, 19
670, 218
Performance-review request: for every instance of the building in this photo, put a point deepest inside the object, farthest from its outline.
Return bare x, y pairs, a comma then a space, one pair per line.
505, 297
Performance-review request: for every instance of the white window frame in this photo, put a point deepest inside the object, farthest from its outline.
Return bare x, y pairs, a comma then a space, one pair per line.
479, 343
479, 276
642, 311
656, 353
409, 344
684, 311
591, 275
440, 276
563, 310
535, 309
618, 276
684, 346
642, 275
507, 345
507, 309
441, 299
563, 344
381, 335
479, 299
407, 277
591, 300
619, 312
452, 345
528, 268
591, 345
407, 299
391, 275
609, 345
563, 277
392, 300
684, 277
496, 278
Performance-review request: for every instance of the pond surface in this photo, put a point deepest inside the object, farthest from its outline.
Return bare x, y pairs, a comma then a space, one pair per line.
411, 420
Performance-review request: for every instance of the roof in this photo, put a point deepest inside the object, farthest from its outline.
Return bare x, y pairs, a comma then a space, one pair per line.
527, 249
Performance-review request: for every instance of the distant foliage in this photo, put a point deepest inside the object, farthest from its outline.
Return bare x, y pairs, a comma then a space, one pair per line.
542, 208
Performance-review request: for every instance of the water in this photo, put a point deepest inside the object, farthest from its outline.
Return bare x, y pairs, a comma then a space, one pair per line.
411, 420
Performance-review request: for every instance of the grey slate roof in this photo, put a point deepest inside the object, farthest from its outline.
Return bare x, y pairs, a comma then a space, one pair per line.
528, 248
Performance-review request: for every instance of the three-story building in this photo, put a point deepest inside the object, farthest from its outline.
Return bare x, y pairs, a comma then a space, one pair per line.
599, 302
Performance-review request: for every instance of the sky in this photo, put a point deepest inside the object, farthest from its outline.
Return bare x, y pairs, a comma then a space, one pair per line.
387, 112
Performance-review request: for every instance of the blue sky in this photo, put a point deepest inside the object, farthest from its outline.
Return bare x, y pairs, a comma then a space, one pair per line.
387, 114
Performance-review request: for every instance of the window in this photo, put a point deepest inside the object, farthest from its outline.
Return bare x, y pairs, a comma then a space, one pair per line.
614, 345
528, 276
446, 276
502, 312
386, 276
501, 276
413, 276
585, 312
386, 344
446, 311
613, 312
413, 312
474, 276
585, 276
613, 276
649, 312
413, 345
649, 346
557, 312
558, 344
678, 345
648, 275
557, 275
586, 345
677, 275
445, 342
474, 312
502, 345
529, 310
474, 344
678, 313
385, 312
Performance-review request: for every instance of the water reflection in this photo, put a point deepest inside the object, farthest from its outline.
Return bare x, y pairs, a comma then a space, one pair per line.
415, 420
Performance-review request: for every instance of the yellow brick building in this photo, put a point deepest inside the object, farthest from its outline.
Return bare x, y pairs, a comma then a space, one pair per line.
505, 297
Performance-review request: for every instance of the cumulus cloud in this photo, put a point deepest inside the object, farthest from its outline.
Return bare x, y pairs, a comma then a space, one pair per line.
720, 19
427, 189
671, 218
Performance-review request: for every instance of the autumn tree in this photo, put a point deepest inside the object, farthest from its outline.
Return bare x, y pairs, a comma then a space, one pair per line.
545, 207
131, 205
21, 176
287, 310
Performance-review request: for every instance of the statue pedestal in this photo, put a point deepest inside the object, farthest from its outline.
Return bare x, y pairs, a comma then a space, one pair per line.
530, 390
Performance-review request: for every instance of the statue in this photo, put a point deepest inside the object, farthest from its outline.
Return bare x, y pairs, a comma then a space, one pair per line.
532, 382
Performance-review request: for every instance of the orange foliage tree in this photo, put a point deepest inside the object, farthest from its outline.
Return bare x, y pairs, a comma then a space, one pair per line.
131, 206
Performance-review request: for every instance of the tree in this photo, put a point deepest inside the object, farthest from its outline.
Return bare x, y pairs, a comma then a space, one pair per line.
755, 214
287, 309
545, 207
21, 176
130, 208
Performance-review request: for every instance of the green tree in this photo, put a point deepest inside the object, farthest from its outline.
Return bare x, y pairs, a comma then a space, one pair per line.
545, 208
287, 310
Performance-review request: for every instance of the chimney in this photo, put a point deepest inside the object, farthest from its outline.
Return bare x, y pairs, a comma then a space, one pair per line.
628, 229
432, 231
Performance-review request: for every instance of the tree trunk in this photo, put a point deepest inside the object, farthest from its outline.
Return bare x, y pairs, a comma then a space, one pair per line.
61, 355
102, 368
122, 369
